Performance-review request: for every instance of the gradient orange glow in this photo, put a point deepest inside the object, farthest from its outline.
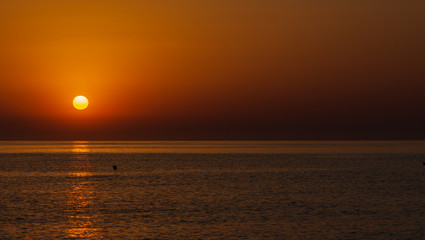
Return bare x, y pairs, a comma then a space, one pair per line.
212, 69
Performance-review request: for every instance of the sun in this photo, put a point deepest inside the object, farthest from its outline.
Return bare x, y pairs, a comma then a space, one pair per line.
80, 102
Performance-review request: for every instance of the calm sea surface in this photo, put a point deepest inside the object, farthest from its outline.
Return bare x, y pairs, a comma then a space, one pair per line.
212, 190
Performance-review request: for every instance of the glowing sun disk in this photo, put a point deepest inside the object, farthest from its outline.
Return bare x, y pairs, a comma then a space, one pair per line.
80, 102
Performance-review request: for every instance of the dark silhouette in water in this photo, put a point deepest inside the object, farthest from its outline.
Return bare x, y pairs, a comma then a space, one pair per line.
423, 163
114, 167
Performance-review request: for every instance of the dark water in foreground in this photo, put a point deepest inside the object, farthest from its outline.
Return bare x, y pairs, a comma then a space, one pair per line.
230, 190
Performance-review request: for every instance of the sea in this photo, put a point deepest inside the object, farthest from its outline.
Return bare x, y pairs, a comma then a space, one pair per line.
212, 190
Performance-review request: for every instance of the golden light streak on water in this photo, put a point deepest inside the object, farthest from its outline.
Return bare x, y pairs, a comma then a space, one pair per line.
82, 215
80, 147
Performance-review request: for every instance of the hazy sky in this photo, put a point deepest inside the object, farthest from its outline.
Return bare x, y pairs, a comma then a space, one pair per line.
238, 69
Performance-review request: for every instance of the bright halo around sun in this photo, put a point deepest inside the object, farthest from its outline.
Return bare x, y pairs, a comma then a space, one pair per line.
80, 102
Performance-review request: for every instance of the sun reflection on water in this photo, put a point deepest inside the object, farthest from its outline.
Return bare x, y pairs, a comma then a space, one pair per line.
80, 147
82, 212
82, 219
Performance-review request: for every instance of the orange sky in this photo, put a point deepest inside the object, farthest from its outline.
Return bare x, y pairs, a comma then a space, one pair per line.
270, 69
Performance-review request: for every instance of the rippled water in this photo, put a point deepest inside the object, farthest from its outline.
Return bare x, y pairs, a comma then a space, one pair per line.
212, 190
